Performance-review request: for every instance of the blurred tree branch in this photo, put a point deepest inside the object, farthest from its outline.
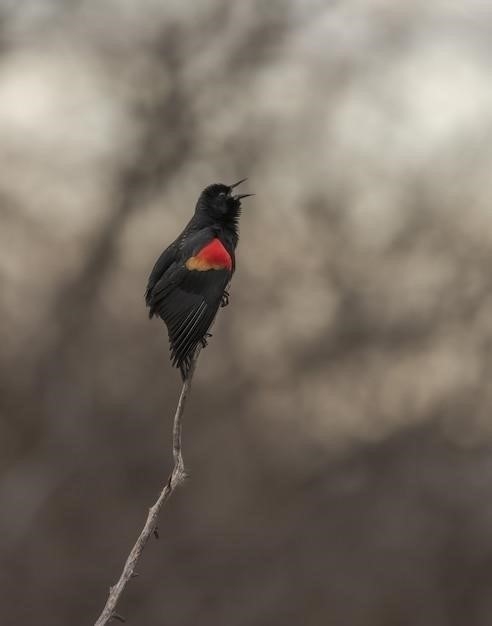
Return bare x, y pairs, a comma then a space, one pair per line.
147, 170
175, 479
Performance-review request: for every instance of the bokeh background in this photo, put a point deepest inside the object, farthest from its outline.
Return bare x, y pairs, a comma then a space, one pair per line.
338, 436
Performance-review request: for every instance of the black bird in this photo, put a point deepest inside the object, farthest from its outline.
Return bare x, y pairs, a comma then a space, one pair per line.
189, 280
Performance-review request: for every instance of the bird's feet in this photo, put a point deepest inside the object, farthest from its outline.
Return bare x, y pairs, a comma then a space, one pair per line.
225, 299
204, 339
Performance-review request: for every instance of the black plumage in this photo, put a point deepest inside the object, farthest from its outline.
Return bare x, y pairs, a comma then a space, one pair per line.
189, 280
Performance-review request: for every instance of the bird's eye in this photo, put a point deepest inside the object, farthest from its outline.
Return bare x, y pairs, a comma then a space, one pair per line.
222, 194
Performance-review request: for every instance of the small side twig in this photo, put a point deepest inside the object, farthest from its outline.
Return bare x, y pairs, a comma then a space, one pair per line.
175, 479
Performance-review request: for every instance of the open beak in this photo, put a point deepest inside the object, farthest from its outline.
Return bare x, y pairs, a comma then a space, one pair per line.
238, 183
241, 195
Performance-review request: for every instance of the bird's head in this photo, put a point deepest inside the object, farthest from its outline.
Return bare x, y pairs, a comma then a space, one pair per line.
219, 201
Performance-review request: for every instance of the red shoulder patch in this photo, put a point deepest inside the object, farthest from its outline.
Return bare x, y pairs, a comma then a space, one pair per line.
213, 256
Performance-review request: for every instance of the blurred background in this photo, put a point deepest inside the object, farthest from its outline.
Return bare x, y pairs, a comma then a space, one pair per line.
338, 436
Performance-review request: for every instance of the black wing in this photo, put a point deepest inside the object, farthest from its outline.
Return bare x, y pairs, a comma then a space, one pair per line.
187, 300
188, 306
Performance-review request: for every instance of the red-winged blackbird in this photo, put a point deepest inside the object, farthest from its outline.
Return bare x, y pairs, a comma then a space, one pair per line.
189, 280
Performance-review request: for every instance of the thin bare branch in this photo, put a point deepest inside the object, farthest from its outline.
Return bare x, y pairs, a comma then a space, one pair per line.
175, 479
